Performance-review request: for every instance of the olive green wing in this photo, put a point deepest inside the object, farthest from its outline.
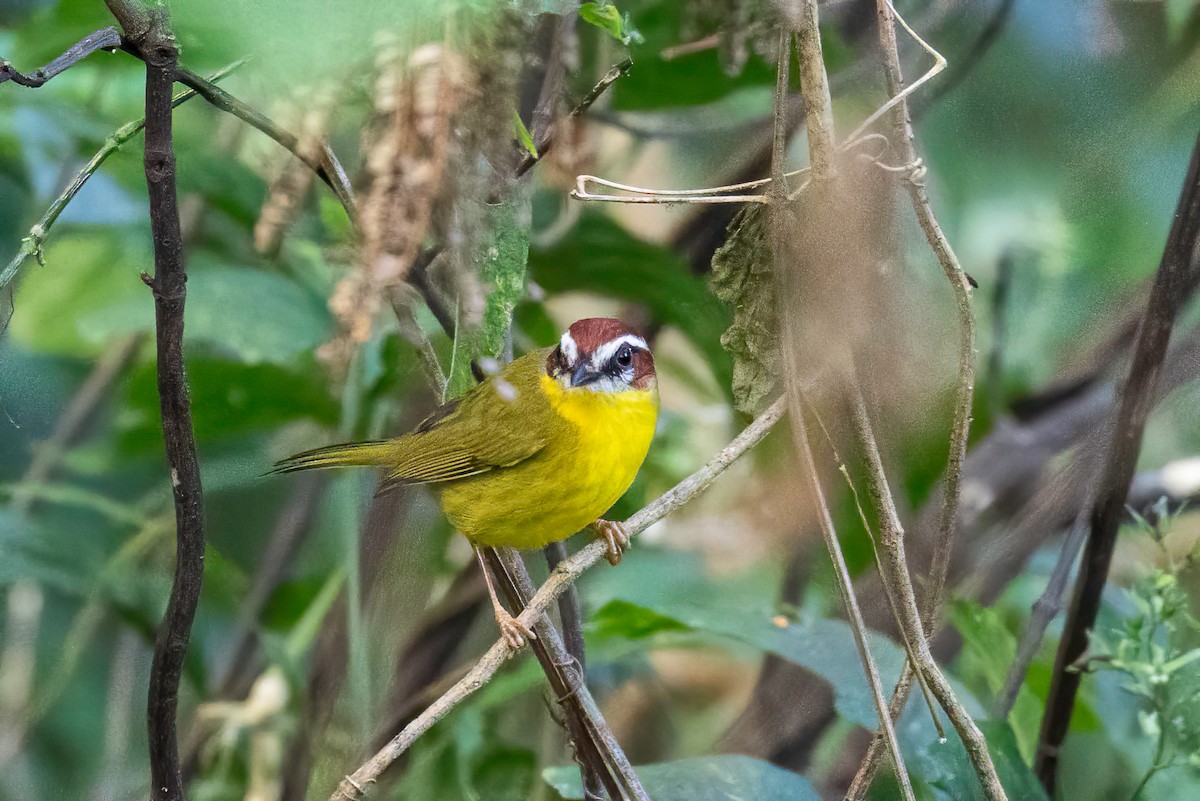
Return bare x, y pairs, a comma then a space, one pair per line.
499, 423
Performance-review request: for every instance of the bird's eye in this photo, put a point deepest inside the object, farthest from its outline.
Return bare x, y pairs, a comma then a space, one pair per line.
625, 356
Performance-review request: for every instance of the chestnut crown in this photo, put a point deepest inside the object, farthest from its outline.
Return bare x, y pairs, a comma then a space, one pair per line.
602, 354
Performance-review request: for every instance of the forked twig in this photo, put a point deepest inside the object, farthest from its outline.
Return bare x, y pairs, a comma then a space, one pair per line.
814, 85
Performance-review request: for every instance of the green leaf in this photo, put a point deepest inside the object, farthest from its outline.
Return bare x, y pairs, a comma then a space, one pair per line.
989, 650
743, 277
621, 618
943, 771
229, 399
607, 18
723, 777
250, 315
87, 272
826, 647
523, 134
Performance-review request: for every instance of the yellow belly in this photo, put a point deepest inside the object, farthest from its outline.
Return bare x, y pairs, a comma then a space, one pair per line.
574, 480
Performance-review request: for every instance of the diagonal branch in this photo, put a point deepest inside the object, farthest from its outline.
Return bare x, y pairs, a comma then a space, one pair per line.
895, 573
562, 577
32, 244
106, 39
1178, 273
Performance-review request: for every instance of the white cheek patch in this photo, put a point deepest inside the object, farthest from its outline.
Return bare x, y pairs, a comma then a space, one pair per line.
570, 350
609, 349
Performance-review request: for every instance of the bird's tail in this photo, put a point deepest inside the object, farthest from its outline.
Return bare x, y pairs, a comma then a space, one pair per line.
345, 455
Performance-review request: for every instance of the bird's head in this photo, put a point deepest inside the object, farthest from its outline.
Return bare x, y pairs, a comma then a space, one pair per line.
602, 354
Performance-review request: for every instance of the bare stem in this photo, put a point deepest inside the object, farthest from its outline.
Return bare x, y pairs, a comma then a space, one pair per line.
905, 141
846, 588
106, 39
1177, 276
148, 29
563, 576
895, 572
814, 86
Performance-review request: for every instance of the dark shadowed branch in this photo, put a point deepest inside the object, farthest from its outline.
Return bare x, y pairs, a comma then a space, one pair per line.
149, 29
1178, 275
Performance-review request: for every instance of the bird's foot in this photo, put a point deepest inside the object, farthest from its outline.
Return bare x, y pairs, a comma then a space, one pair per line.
514, 632
615, 536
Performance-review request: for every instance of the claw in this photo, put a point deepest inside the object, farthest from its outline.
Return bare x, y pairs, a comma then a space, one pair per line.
514, 632
616, 538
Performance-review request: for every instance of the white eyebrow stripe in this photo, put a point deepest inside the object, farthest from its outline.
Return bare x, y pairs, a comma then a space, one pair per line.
609, 349
570, 350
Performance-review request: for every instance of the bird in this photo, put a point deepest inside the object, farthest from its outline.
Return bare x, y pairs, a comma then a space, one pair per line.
539, 449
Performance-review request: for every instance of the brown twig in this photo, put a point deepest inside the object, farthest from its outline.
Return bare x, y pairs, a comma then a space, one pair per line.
327, 168
597, 749
571, 617
149, 29
545, 137
106, 39
1178, 274
895, 573
905, 142
563, 576
814, 86
846, 590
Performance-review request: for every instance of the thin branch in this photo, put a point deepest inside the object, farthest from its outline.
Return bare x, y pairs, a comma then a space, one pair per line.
896, 573
845, 586
327, 168
814, 87
1178, 273
905, 141
107, 39
32, 244
169, 288
571, 616
563, 576
546, 138
597, 746
1045, 609
418, 274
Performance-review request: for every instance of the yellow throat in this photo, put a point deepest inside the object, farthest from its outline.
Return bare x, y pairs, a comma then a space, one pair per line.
600, 441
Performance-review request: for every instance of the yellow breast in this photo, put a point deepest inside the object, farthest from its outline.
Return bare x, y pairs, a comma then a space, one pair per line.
600, 441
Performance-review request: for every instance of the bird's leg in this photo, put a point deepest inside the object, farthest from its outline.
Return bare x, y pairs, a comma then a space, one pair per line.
514, 632
615, 536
